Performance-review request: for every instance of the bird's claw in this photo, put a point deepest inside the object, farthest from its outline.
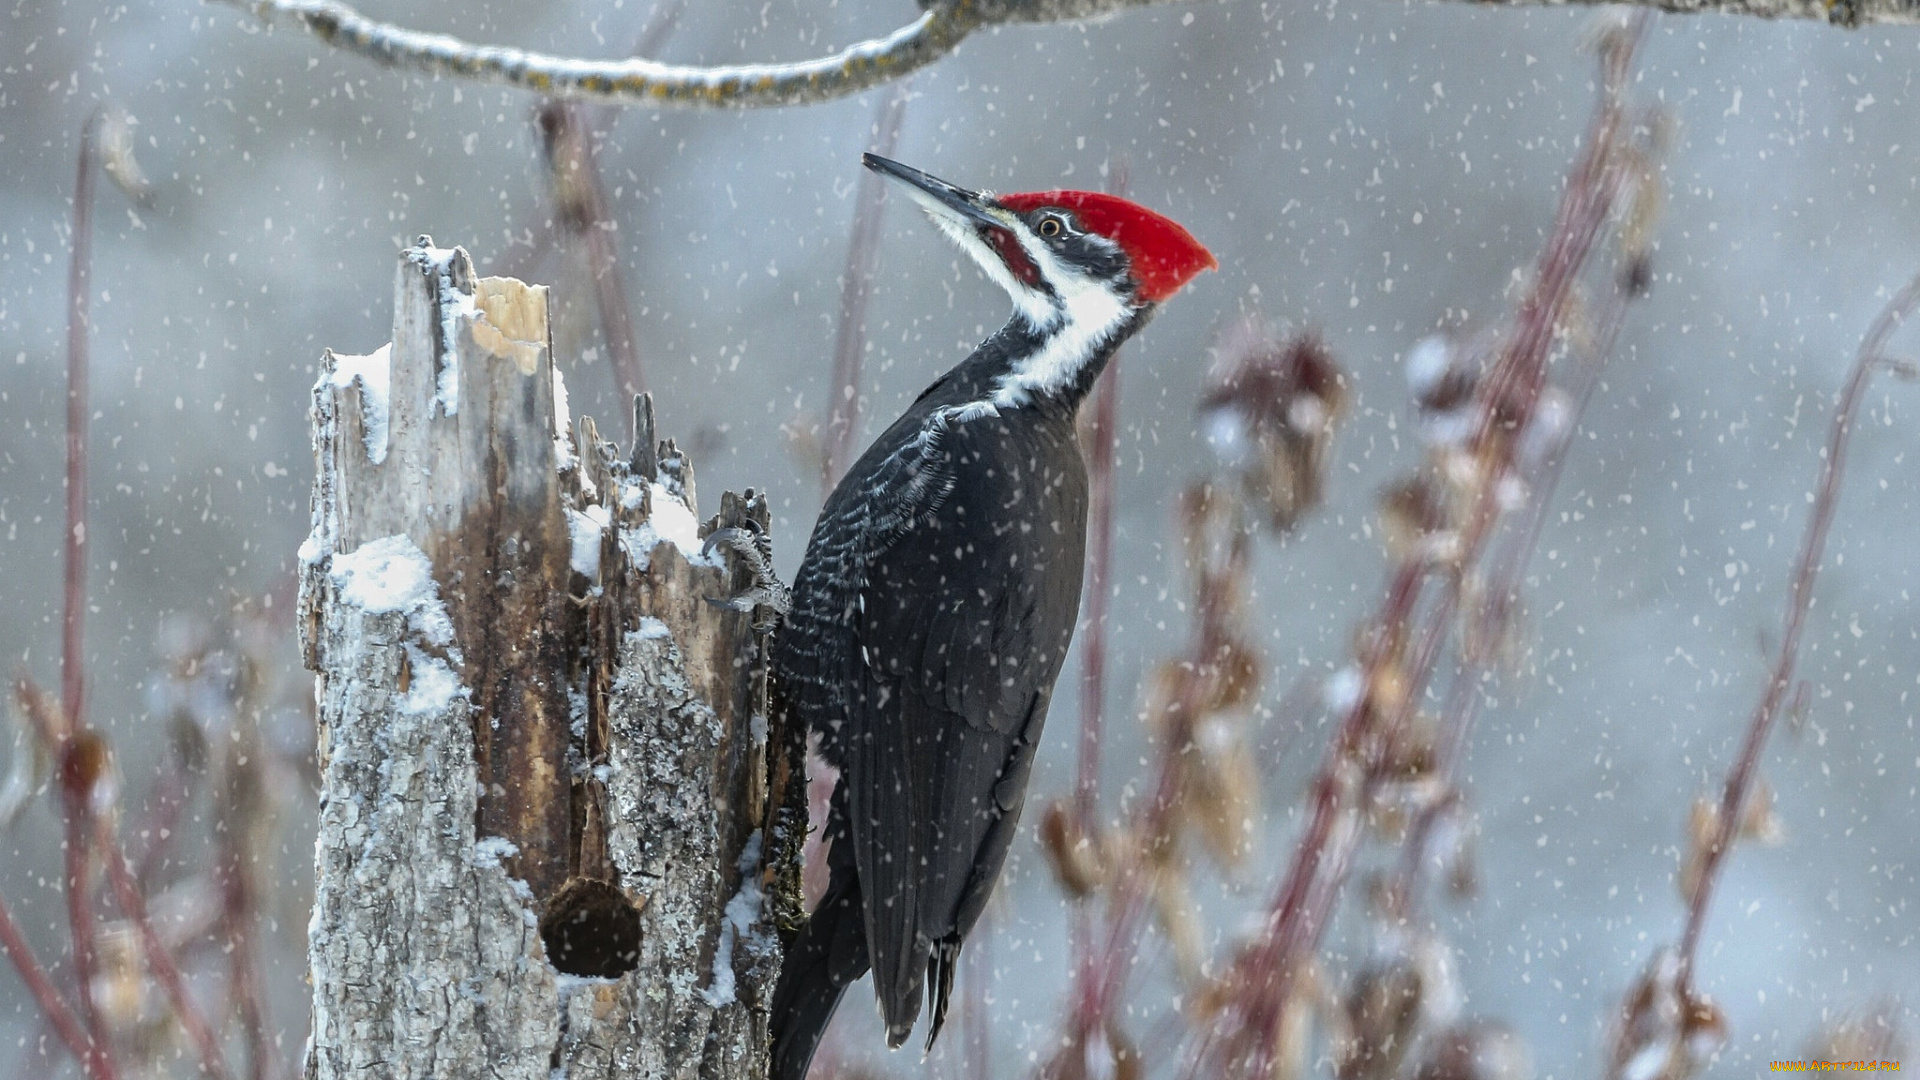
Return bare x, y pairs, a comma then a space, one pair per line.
767, 594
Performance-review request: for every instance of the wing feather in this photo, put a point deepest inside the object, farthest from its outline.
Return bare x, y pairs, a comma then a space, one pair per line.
966, 627
930, 620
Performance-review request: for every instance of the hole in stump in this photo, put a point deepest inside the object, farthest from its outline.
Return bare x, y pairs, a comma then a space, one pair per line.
591, 929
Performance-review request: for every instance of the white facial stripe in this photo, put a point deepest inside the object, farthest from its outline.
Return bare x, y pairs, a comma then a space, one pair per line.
1033, 305
1079, 317
1083, 317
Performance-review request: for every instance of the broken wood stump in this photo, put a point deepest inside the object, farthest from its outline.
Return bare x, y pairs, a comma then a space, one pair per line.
557, 835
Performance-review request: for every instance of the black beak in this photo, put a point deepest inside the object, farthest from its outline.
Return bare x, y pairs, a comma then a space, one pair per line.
936, 194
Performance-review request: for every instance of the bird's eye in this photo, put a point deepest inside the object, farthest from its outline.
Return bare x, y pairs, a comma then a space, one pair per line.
1050, 227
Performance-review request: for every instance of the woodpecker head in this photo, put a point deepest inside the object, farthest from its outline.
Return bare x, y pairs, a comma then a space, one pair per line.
1081, 266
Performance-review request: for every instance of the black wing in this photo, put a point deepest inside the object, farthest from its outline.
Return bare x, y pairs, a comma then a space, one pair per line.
962, 626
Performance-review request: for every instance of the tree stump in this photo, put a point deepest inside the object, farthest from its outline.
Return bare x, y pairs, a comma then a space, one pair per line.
557, 836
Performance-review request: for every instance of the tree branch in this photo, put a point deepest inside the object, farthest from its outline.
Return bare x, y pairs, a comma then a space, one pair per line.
1849, 13
858, 67
640, 81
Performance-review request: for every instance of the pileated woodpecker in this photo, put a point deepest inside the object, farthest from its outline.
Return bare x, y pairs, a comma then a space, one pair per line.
932, 612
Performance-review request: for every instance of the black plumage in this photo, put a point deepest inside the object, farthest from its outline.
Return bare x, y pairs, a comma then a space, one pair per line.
928, 622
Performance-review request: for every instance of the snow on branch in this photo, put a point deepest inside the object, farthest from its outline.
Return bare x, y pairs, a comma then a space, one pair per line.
637, 81
858, 67
1848, 13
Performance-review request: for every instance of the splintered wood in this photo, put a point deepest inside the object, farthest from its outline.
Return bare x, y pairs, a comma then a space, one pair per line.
556, 831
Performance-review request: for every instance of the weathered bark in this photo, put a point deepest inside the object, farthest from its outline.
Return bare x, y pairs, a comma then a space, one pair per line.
556, 833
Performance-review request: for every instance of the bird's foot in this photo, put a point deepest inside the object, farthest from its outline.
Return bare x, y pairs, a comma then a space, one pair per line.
767, 598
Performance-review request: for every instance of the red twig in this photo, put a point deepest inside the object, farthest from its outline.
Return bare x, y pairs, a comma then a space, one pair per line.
78, 817
569, 132
79, 297
1403, 643
1585, 207
239, 806
1806, 569
52, 1006
856, 289
977, 971
1093, 656
75, 796
1103, 436
159, 960
583, 210
1325, 851
238, 917
1103, 972
91, 1047
1463, 697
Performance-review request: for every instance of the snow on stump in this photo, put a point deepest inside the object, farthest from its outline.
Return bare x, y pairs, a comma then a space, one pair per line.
556, 835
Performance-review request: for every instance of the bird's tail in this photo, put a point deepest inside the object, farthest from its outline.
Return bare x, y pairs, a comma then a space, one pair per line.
827, 956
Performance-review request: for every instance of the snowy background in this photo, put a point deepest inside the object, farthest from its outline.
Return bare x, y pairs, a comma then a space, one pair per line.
1371, 169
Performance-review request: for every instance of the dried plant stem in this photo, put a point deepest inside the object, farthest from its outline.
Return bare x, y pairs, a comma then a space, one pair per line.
570, 132
166, 970
600, 232
1093, 658
977, 972
241, 805
1405, 639
79, 298
856, 289
1109, 959
89, 1045
1585, 207
53, 1008
602, 238
77, 817
1089, 1002
1506, 567
76, 808
1766, 712
1324, 853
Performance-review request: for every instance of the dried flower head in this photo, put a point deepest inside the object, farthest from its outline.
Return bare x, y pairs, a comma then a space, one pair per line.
86, 771
1413, 517
1757, 822
1180, 919
1223, 789
29, 763
1270, 410
116, 156
1663, 1032
1443, 374
1078, 861
1383, 1009
1476, 1050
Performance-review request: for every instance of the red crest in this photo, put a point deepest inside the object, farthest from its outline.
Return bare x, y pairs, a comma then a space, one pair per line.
1164, 255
